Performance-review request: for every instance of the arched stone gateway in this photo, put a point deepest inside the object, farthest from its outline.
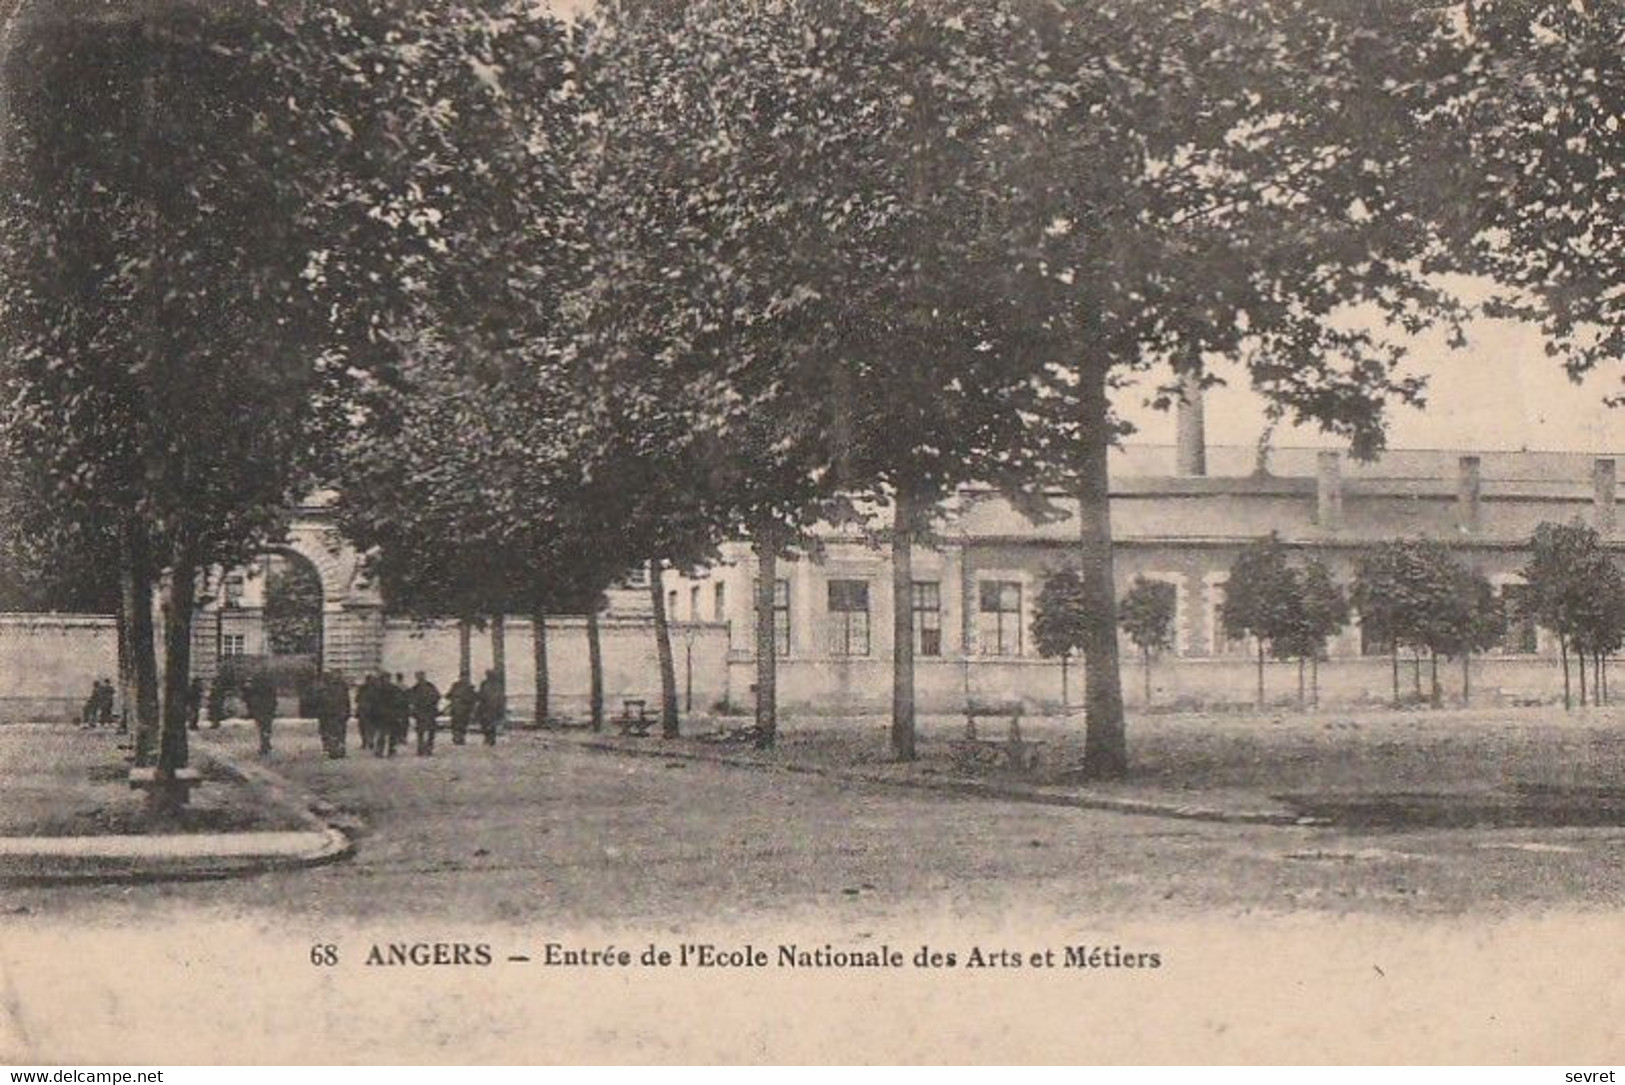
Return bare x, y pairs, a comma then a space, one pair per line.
231, 620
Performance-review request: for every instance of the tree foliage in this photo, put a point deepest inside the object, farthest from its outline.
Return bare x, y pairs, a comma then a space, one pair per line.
1058, 616
1575, 589
1525, 101
1146, 613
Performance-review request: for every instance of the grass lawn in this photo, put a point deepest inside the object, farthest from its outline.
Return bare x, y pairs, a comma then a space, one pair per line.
1490, 766
62, 781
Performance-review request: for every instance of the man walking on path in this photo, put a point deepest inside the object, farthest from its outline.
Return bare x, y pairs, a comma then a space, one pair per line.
334, 702
260, 697
366, 711
400, 713
390, 716
461, 700
425, 701
492, 707
194, 703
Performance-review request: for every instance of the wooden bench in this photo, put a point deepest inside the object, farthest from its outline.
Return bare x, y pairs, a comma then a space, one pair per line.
634, 719
973, 752
180, 785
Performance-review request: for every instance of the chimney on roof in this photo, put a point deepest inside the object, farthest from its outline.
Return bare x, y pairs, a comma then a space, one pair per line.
1191, 454
1329, 490
1469, 491
1604, 491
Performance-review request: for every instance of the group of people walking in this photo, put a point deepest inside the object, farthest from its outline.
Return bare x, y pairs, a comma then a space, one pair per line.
386, 711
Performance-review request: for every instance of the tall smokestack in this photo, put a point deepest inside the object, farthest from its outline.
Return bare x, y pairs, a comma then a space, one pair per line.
1191, 454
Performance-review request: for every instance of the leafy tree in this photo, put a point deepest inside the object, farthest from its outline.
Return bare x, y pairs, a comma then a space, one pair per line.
1058, 621
1123, 185
1524, 100
1190, 181
1260, 601
1601, 626
1478, 622
173, 359
1146, 614
1413, 593
50, 561
458, 478
1317, 609
1575, 590
293, 607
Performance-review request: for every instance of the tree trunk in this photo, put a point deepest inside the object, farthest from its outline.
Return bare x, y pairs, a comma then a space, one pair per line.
902, 592
1105, 744
1466, 679
1302, 694
767, 572
1393, 654
1314, 680
538, 649
595, 664
1416, 673
1145, 661
1563, 650
465, 650
1260, 697
499, 650
180, 593
1601, 679
1435, 696
126, 667
135, 604
668, 668
1580, 658
1066, 693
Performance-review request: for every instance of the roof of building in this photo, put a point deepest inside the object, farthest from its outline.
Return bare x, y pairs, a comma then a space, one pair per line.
1239, 461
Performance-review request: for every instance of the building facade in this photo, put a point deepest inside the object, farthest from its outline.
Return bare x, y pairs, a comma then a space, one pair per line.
976, 585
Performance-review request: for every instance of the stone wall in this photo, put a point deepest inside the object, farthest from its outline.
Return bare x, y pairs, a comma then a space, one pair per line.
48, 661
631, 666
822, 687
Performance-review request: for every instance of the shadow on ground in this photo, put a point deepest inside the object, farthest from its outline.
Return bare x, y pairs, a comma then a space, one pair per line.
1522, 807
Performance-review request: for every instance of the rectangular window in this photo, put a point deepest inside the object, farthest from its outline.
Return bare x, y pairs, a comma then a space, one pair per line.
694, 603
781, 616
637, 578
1223, 643
233, 594
998, 629
720, 602
849, 617
233, 644
671, 605
927, 618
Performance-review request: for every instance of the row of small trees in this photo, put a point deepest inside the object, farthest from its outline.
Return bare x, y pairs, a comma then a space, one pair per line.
1412, 595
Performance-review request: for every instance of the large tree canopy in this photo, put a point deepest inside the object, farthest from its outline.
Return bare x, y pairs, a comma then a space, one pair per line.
1528, 117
